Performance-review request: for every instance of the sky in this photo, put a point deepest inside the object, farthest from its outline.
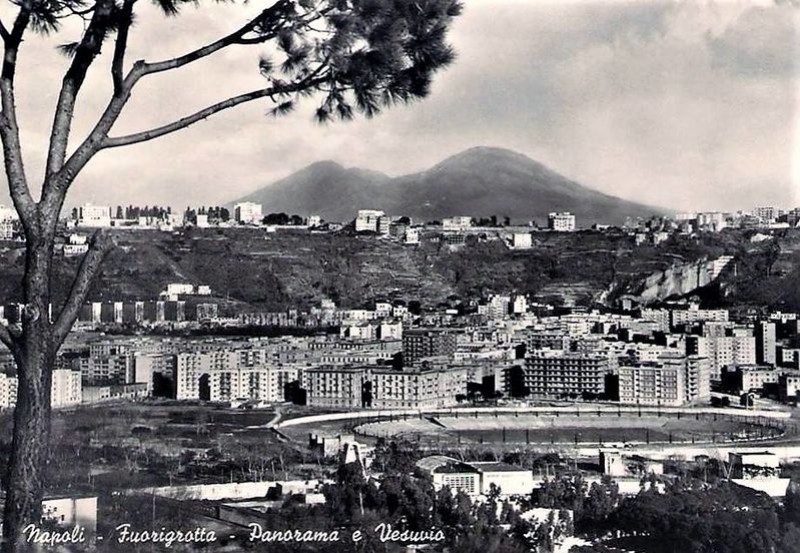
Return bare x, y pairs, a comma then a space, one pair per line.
689, 105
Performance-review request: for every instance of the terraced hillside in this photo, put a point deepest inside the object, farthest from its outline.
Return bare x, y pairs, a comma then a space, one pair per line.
252, 269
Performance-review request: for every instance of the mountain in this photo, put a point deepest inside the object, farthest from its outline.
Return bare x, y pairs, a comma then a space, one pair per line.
477, 182
324, 188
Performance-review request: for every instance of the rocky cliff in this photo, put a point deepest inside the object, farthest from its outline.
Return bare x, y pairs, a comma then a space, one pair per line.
681, 279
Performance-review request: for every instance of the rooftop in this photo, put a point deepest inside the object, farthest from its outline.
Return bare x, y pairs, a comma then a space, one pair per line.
489, 466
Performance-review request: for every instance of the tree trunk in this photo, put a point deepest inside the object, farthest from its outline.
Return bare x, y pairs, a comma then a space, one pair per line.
35, 357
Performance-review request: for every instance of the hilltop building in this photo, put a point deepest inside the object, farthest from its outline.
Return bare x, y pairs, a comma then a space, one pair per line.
371, 220
247, 213
90, 215
561, 222
456, 224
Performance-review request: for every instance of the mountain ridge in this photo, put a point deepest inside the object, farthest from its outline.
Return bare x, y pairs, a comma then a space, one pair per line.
479, 181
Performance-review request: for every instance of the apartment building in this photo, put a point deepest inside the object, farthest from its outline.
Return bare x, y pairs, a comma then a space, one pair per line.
65, 389
8, 391
225, 375
722, 351
555, 373
698, 378
337, 387
766, 344
652, 383
379, 387
418, 389
419, 343
693, 315
6, 229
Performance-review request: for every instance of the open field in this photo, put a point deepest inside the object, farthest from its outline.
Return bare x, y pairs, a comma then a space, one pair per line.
113, 446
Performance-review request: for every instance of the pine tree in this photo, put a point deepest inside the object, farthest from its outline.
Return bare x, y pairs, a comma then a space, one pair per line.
354, 56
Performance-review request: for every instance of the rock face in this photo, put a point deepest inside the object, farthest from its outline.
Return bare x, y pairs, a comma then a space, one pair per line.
679, 280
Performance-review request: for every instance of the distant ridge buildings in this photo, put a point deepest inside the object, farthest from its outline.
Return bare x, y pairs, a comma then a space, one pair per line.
247, 213
561, 222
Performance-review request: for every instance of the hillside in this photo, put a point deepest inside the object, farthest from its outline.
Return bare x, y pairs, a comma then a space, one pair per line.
477, 182
256, 271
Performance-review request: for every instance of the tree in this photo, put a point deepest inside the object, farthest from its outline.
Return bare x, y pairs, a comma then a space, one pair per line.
359, 56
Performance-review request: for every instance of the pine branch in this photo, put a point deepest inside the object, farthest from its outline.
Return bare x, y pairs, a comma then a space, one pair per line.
121, 45
180, 124
85, 53
270, 16
9, 128
101, 244
187, 121
59, 183
4, 34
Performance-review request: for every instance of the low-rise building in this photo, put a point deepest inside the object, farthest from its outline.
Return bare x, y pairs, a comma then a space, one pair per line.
369, 220
521, 241
739, 379
456, 224
476, 478
749, 465
77, 244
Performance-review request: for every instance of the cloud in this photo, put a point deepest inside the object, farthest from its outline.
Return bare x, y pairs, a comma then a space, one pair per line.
763, 41
689, 105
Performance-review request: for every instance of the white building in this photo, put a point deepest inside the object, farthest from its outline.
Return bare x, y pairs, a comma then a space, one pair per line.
722, 351
8, 391
652, 384
6, 229
226, 375
411, 236
175, 289
477, 478
368, 220
90, 215
767, 214
66, 388
521, 241
247, 213
77, 244
69, 512
314, 221
520, 305
561, 222
456, 224
713, 221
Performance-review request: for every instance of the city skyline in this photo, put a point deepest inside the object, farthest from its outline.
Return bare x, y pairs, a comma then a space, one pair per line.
691, 100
